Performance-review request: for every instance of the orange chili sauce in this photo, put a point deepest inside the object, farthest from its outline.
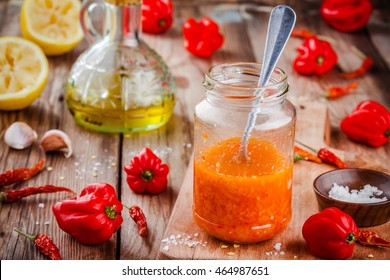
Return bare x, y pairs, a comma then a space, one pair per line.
239, 200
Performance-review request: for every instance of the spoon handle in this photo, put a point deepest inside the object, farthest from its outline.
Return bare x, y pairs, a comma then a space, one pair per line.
280, 26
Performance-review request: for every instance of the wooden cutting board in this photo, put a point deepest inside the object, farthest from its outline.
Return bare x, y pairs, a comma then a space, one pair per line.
183, 239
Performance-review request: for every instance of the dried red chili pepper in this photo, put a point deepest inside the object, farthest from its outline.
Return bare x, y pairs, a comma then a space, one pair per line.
371, 238
326, 156
366, 65
316, 57
202, 38
302, 33
93, 216
330, 234
138, 216
147, 173
338, 91
14, 195
368, 123
157, 16
20, 174
346, 15
44, 244
301, 154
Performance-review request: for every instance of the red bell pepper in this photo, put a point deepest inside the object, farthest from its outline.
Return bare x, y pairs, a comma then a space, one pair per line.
157, 16
315, 57
202, 38
369, 123
346, 15
93, 216
330, 234
147, 173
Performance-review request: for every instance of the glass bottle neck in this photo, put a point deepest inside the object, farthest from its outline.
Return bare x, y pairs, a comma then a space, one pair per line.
123, 23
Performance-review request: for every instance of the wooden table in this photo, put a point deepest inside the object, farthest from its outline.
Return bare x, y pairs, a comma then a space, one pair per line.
101, 157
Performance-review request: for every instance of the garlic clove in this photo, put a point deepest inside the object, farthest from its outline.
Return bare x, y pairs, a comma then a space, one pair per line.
20, 135
56, 140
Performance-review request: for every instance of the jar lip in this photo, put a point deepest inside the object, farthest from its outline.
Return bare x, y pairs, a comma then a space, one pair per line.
253, 65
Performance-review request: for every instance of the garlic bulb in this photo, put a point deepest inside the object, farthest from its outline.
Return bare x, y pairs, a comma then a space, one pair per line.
56, 140
20, 135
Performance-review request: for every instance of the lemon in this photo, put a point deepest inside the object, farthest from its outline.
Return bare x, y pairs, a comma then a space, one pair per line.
53, 24
24, 70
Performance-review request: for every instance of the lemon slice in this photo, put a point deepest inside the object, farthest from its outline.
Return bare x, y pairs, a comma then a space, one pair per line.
24, 70
52, 24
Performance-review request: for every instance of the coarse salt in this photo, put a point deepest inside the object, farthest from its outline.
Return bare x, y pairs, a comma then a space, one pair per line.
367, 194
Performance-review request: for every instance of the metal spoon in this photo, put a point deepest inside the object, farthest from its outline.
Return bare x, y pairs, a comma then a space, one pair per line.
280, 26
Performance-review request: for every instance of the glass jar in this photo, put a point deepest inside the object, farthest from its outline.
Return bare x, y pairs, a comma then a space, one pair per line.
119, 84
243, 185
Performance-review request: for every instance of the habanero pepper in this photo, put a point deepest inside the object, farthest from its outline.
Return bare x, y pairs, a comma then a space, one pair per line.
316, 57
157, 16
147, 173
202, 38
368, 123
346, 15
93, 216
330, 234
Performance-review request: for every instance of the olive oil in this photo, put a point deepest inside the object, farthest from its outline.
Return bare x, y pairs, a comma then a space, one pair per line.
109, 114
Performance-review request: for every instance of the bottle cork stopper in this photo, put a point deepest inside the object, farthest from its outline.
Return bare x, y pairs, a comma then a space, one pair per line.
124, 2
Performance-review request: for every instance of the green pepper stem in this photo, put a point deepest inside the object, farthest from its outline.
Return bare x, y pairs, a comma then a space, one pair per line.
31, 237
304, 145
351, 238
110, 212
147, 175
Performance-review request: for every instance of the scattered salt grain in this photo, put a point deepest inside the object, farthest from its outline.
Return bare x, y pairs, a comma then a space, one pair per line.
277, 246
41, 205
367, 194
47, 223
61, 178
36, 223
49, 168
183, 240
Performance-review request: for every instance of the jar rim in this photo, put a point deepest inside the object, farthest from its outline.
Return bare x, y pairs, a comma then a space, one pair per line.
254, 65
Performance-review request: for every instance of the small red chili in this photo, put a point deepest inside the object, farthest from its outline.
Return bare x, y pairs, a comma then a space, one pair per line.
14, 195
316, 57
20, 174
147, 173
202, 38
338, 91
138, 216
330, 234
44, 244
326, 156
366, 65
371, 238
301, 154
